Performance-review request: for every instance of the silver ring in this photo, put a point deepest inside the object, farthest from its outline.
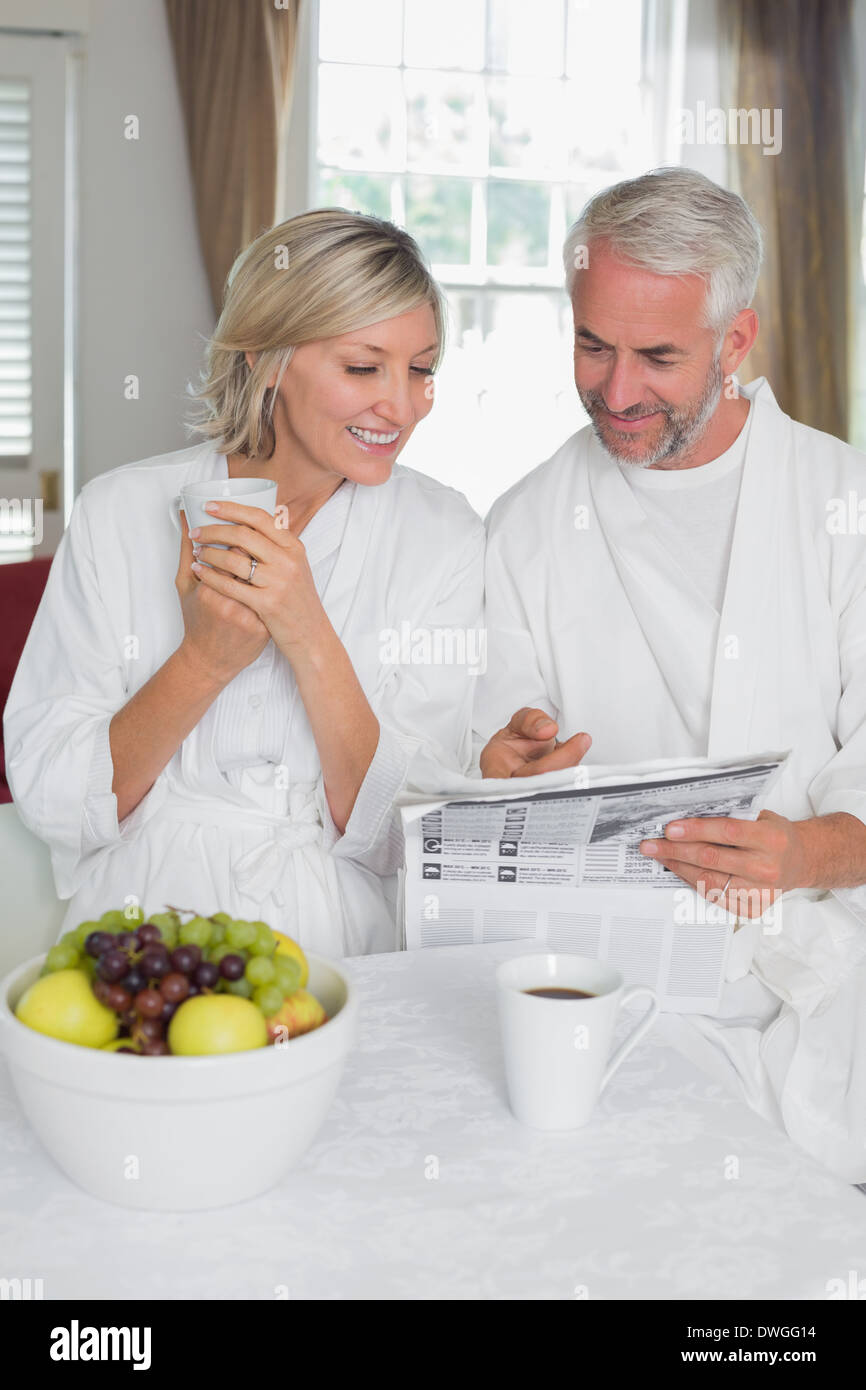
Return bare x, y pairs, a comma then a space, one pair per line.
253, 563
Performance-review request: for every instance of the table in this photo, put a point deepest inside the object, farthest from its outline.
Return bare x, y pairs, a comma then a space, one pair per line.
421, 1184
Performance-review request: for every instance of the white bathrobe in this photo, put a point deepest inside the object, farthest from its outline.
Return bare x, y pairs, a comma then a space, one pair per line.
226, 828
592, 619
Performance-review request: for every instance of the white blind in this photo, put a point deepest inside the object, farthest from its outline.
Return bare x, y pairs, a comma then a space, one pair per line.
16, 426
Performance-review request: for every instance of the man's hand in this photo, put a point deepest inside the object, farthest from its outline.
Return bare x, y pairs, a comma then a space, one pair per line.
528, 746
744, 865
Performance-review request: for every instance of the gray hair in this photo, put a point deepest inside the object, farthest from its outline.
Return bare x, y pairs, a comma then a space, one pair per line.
676, 222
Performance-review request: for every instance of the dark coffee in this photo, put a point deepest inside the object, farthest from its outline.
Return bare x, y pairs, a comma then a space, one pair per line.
561, 993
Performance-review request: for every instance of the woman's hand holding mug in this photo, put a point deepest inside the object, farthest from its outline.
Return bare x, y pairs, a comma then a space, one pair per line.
221, 635
266, 570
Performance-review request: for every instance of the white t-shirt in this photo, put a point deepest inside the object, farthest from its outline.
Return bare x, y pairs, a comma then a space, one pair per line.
692, 511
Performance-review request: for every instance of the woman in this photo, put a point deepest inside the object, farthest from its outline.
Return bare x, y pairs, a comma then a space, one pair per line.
228, 732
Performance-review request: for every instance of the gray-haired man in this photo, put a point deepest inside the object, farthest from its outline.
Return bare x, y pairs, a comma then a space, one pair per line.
684, 578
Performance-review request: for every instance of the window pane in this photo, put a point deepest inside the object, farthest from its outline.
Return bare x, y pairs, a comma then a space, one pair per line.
361, 117
613, 27
446, 121
447, 34
438, 213
527, 37
577, 195
347, 34
518, 218
606, 132
526, 125
357, 192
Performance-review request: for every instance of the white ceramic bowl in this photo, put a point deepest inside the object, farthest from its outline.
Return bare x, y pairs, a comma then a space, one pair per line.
179, 1133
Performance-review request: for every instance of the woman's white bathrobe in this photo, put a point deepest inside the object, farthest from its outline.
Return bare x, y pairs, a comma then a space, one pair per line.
249, 834
590, 617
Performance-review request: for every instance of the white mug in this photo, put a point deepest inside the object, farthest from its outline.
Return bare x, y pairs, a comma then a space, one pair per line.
556, 1049
252, 492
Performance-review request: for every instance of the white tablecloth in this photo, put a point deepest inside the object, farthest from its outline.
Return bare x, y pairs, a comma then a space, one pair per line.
422, 1185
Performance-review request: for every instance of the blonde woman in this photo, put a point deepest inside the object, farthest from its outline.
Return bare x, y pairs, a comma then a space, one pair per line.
228, 730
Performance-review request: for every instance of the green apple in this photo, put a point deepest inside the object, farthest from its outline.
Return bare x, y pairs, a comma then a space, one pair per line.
62, 1005
211, 1023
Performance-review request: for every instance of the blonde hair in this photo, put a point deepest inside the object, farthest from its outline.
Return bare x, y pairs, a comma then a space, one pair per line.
319, 275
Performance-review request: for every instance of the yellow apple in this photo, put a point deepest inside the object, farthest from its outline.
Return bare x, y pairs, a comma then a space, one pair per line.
301, 1012
211, 1023
287, 947
62, 1005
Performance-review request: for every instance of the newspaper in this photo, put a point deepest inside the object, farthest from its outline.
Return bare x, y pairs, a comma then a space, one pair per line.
555, 859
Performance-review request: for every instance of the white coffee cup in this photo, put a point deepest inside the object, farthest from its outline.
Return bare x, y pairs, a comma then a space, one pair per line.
557, 1049
252, 492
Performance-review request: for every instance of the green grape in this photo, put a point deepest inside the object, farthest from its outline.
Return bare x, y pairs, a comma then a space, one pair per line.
165, 919
88, 964
113, 920
70, 938
217, 933
269, 999
168, 923
288, 973
260, 971
195, 932
62, 957
241, 987
222, 918
216, 953
81, 933
133, 916
240, 934
265, 942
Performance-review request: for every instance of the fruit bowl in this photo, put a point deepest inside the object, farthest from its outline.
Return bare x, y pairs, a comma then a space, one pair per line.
179, 1133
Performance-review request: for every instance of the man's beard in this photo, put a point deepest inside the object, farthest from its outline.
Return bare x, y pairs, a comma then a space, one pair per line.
682, 428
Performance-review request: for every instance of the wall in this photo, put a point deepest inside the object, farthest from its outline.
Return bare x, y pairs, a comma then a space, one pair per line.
143, 296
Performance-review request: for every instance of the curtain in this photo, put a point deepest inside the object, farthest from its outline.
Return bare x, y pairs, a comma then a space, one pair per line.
794, 57
234, 69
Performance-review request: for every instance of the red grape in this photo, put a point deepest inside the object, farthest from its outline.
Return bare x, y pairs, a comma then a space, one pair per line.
155, 962
147, 1030
232, 967
207, 974
186, 958
135, 979
118, 998
97, 942
168, 1011
149, 1003
149, 934
102, 989
113, 965
174, 987
158, 1048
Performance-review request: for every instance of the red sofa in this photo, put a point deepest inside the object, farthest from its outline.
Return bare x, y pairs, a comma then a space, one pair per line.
21, 587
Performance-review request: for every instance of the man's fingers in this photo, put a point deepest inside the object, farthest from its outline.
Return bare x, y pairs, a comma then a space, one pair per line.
718, 830
568, 754
532, 723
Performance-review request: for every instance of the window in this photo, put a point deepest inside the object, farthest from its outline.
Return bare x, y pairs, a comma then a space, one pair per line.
483, 126
34, 399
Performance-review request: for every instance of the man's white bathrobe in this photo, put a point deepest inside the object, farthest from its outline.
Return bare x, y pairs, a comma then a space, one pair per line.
592, 619
234, 822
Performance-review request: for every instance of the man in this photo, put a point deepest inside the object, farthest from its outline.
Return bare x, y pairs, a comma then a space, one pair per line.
679, 580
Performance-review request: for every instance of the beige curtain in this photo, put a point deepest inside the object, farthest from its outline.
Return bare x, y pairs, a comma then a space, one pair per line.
234, 70
794, 56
